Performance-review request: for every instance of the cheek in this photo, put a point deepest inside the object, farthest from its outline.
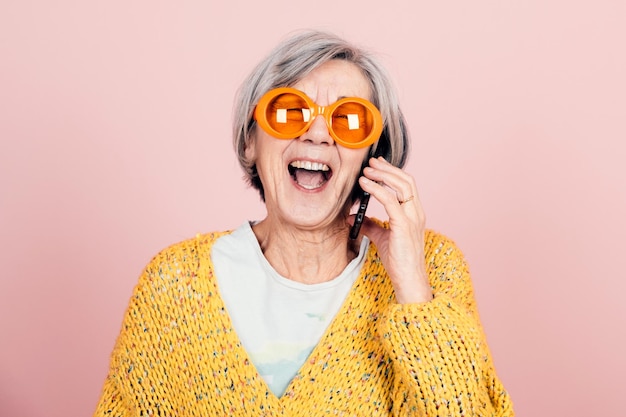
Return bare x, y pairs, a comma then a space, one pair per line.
352, 167
268, 158
355, 161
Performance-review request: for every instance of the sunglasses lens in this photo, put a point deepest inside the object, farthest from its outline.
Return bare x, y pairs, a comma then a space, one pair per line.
352, 122
288, 113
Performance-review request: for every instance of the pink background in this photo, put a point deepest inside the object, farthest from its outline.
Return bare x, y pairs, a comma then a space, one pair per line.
115, 142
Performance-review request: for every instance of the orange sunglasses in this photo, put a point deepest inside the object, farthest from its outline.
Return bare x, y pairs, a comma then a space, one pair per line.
287, 113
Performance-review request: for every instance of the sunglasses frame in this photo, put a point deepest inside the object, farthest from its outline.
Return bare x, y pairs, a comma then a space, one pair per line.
260, 115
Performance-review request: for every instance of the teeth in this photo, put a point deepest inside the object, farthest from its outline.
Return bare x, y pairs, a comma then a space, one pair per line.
310, 166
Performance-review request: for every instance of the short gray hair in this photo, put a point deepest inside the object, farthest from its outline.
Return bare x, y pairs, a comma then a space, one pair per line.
292, 60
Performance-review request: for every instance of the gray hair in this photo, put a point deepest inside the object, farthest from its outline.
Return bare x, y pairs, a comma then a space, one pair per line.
292, 60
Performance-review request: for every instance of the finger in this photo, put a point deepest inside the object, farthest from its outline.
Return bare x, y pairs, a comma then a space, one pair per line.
381, 165
402, 188
393, 177
401, 193
385, 196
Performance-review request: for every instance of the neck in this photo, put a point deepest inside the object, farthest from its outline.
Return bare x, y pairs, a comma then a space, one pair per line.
307, 256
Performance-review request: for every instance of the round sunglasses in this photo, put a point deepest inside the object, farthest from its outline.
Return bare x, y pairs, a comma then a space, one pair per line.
287, 113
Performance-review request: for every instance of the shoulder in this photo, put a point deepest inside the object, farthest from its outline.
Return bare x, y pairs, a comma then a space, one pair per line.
180, 260
188, 249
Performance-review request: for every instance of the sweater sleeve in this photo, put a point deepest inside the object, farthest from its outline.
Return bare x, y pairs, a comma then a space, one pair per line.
136, 374
441, 359
115, 398
111, 402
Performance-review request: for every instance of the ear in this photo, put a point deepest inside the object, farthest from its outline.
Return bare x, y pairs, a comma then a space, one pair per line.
250, 150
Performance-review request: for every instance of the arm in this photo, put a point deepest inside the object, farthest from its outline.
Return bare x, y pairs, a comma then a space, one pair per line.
441, 359
137, 375
433, 334
111, 403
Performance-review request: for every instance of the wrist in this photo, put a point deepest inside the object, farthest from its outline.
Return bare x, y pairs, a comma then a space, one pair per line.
413, 292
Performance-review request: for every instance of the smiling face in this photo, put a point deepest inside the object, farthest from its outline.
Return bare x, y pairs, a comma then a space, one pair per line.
308, 180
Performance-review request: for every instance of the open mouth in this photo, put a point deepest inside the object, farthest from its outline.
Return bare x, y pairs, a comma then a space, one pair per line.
309, 175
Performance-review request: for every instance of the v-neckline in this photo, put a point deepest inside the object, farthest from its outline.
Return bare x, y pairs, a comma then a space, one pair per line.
322, 343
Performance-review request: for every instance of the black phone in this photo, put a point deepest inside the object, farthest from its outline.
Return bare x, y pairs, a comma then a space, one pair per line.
365, 199
360, 215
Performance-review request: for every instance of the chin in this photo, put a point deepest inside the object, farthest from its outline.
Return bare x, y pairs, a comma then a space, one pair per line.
312, 218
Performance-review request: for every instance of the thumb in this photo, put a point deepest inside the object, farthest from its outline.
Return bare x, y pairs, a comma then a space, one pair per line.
373, 230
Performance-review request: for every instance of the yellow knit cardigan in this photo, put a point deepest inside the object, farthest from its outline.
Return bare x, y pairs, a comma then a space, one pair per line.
178, 355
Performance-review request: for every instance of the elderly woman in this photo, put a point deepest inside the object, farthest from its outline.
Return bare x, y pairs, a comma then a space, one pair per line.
289, 315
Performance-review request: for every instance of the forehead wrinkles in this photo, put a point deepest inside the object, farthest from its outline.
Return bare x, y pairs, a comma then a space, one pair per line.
325, 95
327, 84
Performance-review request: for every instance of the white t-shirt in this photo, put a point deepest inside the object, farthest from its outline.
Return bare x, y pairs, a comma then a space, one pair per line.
279, 321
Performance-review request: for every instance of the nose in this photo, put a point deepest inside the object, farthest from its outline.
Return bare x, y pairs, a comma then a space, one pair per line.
318, 132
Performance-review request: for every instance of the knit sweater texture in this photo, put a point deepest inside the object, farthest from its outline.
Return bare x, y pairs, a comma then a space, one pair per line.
178, 355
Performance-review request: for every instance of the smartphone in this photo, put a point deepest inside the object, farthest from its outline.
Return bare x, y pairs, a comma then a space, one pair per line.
365, 199
360, 215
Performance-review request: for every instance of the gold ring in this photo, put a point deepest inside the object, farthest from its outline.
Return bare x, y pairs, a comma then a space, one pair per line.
406, 200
